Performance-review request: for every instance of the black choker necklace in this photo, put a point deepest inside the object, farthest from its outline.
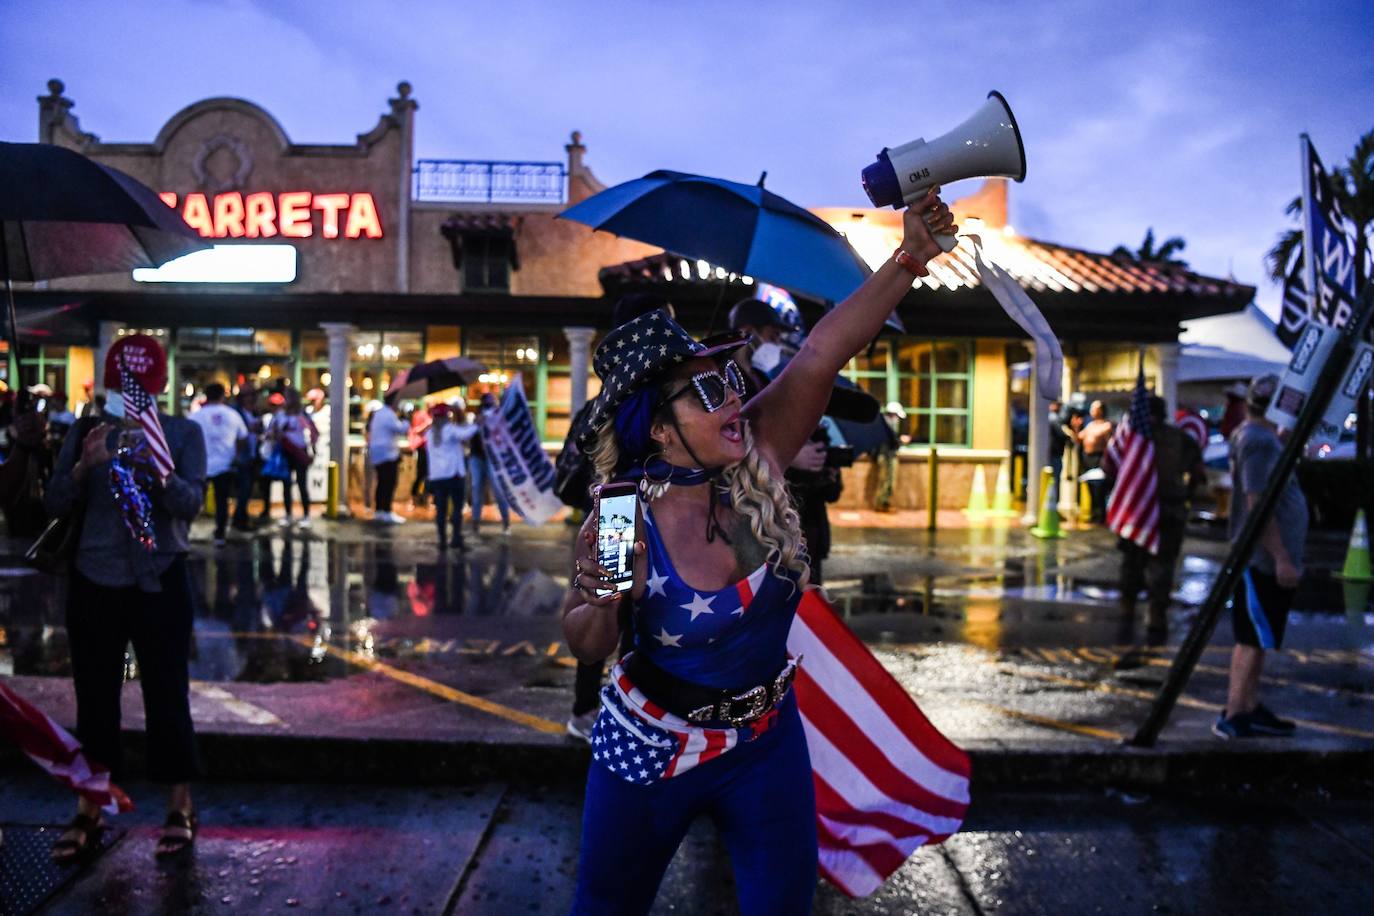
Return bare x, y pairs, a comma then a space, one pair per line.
656, 470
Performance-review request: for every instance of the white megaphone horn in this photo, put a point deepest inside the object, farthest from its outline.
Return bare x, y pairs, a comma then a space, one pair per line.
987, 145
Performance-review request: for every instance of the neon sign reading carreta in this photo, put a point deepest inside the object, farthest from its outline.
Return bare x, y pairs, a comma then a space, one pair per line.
291, 214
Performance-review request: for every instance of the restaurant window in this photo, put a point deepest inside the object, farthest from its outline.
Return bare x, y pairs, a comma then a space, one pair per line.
558, 388
505, 355
486, 263
932, 380
44, 365
484, 251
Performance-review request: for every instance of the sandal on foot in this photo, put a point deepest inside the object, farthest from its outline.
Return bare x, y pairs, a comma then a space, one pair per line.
69, 848
172, 844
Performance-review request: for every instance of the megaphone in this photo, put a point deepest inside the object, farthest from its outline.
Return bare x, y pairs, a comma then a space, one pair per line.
987, 145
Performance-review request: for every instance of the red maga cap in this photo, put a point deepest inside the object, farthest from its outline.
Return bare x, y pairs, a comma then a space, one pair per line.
144, 357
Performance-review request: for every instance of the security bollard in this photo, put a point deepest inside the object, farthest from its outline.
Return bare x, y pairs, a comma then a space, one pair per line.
1085, 502
932, 489
331, 499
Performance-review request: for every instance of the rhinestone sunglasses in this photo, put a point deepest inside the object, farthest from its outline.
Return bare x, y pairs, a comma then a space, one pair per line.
712, 387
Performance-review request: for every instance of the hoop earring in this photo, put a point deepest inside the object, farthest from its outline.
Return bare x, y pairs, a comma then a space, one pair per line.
650, 488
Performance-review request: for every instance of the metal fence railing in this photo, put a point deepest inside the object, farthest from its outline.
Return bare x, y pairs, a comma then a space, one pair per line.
478, 181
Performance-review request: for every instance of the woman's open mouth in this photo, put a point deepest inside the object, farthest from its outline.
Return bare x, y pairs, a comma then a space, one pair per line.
733, 429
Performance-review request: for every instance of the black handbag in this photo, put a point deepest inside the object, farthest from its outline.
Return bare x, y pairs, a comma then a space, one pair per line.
53, 550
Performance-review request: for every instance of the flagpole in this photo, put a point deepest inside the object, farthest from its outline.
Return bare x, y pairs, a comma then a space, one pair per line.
1308, 215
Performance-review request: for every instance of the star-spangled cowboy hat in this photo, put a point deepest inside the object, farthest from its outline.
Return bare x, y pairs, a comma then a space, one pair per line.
638, 351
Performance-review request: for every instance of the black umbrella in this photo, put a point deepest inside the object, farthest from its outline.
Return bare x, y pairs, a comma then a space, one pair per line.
64, 215
436, 375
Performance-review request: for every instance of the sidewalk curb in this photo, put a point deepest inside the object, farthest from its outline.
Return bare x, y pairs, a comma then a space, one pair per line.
996, 765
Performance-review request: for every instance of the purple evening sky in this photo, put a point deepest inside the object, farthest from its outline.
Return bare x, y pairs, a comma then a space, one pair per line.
1180, 116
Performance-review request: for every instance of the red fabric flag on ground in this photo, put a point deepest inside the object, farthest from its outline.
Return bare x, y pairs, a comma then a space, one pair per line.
886, 780
50, 746
1133, 507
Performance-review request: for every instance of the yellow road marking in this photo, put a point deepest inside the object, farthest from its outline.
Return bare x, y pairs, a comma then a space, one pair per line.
443, 691
1087, 731
248, 712
1184, 700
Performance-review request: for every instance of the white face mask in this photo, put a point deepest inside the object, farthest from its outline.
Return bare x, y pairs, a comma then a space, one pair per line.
114, 404
766, 358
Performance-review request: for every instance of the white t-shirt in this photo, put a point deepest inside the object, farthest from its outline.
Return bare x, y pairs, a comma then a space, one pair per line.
446, 450
223, 429
382, 431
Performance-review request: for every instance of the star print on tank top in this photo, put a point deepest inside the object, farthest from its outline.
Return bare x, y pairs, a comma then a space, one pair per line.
729, 637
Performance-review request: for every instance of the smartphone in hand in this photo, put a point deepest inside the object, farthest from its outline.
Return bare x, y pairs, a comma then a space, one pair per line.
616, 511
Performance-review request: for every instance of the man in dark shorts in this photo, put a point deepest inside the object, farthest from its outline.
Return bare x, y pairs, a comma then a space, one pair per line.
1259, 607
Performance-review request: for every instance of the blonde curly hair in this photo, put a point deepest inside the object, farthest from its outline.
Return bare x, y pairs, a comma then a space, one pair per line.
755, 493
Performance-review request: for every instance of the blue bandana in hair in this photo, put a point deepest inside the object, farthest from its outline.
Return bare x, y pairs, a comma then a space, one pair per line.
633, 420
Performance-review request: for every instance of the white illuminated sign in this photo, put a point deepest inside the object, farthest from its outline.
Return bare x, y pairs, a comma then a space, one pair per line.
226, 264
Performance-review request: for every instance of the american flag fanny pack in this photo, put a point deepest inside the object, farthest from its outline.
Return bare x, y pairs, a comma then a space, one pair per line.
641, 742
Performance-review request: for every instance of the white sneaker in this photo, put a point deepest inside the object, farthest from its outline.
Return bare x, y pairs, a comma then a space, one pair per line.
581, 726
284, 522
303, 524
396, 519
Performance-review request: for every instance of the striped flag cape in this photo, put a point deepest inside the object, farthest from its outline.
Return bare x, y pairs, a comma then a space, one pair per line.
1133, 507
139, 405
886, 780
56, 751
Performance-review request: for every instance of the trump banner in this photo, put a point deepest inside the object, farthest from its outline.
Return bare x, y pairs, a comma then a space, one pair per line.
516, 455
1327, 262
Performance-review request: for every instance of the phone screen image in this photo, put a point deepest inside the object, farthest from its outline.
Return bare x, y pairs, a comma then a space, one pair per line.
615, 537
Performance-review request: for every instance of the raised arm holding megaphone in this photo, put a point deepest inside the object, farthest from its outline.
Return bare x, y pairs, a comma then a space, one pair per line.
987, 145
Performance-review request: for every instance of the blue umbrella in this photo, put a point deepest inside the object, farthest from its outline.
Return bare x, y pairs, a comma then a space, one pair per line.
742, 228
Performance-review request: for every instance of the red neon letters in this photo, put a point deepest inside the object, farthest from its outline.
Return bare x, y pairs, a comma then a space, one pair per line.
290, 214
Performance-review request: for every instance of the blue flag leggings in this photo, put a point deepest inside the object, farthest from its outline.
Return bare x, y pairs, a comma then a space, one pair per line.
759, 795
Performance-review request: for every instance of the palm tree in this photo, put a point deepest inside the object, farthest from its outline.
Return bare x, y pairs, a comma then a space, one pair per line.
1147, 251
1352, 186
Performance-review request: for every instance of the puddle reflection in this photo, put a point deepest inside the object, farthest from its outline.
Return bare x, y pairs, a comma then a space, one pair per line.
268, 610
273, 609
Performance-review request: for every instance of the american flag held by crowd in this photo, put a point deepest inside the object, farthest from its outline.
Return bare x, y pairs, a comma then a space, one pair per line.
1133, 508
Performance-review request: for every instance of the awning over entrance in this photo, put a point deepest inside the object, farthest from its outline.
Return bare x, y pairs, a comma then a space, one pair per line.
365, 310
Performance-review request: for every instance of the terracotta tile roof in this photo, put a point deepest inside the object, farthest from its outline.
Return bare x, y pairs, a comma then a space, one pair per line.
1047, 267
1038, 266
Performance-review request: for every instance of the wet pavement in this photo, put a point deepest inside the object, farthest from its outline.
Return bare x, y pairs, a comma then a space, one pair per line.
355, 632
495, 849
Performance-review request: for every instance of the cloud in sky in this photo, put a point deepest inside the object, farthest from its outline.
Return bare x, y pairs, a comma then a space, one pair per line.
1180, 116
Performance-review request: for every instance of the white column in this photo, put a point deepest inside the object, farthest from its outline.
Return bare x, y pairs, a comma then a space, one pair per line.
106, 334
1037, 446
340, 344
1068, 480
579, 358
1167, 354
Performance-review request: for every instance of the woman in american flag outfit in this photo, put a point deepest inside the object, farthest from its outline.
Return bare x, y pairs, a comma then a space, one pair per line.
698, 718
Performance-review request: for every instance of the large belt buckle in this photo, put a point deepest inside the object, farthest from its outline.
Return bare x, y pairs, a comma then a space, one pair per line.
784, 681
756, 697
